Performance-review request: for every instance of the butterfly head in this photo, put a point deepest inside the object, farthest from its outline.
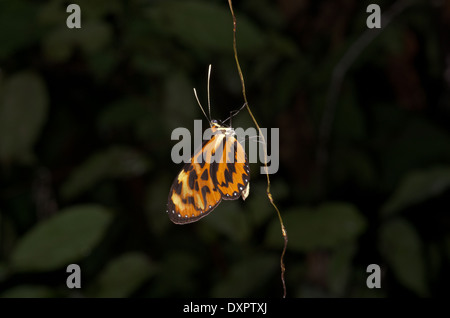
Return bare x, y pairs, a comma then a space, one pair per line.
218, 128
215, 126
215, 123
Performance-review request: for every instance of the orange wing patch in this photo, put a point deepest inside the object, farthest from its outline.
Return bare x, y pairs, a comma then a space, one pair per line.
218, 171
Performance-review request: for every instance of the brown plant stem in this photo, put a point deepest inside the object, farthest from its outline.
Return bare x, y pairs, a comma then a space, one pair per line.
269, 194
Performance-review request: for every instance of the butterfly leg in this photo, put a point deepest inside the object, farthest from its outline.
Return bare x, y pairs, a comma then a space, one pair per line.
234, 113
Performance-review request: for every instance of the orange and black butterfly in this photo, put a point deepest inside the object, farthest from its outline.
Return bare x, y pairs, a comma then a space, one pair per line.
218, 171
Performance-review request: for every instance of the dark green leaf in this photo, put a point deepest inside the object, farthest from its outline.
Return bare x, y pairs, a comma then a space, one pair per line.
91, 37
122, 113
414, 144
229, 219
417, 187
177, 276
247, 276
257, 205
341, 268
402, 248
4, 272
28, 291
306, 227
23, 111
123, 276
67, 237
18, 26
116, 162
205, 26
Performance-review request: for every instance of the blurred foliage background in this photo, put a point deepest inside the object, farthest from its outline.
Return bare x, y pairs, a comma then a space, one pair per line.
86, 117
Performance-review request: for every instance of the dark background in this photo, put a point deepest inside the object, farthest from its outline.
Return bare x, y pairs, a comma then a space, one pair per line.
86, 117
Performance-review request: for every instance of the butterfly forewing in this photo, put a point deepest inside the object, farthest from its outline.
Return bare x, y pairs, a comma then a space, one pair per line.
192, 195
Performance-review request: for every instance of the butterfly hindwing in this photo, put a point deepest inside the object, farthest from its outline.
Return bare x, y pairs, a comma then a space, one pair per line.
231, 174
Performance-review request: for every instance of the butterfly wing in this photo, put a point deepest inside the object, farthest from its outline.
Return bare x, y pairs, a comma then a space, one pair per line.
218, 171
232, 174
193, 194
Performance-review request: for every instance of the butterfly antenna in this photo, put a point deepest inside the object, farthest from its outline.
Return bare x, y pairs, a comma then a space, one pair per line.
209, 99
207, 88
199, 104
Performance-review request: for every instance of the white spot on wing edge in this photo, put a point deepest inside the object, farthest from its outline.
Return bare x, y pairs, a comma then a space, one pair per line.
246, 192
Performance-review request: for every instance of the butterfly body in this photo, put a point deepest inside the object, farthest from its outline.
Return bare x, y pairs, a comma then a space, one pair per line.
218, 171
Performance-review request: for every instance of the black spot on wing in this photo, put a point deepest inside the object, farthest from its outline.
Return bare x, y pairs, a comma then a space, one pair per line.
228, 177
204, 175
192, 179
213, 169
177, 186
231, 167
190, 200
202, 163
205, 190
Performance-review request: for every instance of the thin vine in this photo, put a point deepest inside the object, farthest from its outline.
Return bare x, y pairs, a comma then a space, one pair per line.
269, 194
